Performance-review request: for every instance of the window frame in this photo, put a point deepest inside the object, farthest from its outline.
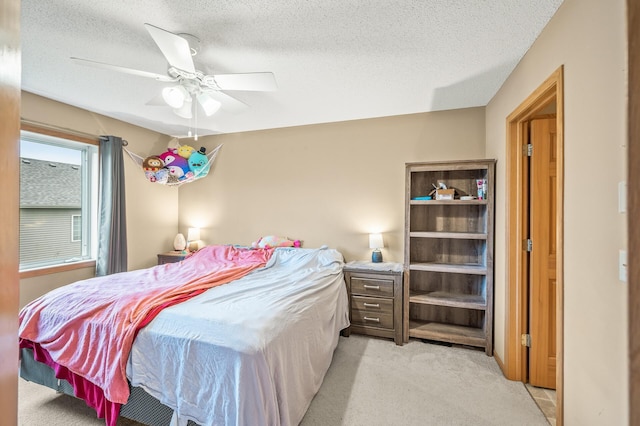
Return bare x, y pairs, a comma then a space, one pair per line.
90, 226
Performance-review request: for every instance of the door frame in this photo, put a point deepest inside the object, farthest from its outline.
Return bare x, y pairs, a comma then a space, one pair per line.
517, 296
633, 209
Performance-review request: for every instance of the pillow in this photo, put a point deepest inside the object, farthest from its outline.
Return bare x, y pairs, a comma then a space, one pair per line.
271, 241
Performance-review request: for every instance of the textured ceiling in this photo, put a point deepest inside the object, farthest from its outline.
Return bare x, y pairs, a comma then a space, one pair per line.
333, 60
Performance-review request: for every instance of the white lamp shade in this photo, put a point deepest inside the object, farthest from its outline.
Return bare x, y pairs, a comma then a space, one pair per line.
174, 96
185, 110
375, 241
193, 234
209, 105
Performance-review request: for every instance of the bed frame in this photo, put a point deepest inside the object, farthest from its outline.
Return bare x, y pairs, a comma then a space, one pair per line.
140, 407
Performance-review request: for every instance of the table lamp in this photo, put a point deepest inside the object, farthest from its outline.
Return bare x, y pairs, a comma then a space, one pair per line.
179, 243
376, 243
193, 236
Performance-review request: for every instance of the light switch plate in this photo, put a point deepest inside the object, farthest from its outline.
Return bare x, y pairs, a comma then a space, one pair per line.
622, 197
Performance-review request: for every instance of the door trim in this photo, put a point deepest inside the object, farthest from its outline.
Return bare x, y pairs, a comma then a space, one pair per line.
515, 361
633, 209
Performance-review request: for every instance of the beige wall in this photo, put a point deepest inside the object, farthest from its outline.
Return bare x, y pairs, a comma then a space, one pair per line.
152, 210
324, 184
588, 37
32, 288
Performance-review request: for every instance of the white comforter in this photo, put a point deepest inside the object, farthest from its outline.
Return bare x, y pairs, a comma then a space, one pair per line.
254, 351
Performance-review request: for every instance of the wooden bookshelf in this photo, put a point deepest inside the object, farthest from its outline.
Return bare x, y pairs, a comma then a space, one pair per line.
449, 255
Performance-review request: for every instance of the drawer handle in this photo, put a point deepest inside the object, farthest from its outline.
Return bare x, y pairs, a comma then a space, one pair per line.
371, 305
371, 287
372, 319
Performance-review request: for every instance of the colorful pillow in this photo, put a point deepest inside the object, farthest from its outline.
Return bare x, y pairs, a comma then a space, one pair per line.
271, 241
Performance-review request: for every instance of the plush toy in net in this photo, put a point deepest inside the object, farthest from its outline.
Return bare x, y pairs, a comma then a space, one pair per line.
176, 165
199, 162
185, 151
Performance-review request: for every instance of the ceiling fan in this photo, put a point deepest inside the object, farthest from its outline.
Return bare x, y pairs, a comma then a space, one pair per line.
190, 85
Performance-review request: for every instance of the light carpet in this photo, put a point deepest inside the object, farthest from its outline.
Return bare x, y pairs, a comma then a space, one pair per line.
374, 382
370, 382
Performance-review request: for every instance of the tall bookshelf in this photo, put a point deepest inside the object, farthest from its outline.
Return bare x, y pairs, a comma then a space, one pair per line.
448, 295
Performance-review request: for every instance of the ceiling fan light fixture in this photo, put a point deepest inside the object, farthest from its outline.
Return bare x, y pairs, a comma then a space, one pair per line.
185, 110
187, 83
175, 96
209, 105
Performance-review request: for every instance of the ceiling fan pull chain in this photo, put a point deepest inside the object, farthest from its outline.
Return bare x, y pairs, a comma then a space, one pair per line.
195, 113
189, 134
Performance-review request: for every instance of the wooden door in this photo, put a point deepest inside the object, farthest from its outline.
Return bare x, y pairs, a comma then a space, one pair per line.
9, 208
542, 272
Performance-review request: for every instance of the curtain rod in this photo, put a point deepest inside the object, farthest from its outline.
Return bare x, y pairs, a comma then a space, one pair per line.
58, 129
106, 138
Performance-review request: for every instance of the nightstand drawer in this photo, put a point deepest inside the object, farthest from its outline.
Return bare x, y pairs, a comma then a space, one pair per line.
171, 257
372, 304
372, 319
371, 286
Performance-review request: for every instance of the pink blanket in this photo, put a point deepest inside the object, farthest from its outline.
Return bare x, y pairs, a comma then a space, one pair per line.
89, 326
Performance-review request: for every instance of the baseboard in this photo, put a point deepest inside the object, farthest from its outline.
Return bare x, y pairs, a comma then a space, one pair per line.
500, 363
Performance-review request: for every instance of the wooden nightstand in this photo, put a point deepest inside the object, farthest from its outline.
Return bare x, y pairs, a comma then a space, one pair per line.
171, 257
375, 299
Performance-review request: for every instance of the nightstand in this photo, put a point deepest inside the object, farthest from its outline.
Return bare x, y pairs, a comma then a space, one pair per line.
375, 299
171, 257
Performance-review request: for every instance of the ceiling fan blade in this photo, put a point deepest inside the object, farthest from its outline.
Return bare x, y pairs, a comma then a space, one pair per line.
229, 103
255, 81
174, 48
157, 100
132, 71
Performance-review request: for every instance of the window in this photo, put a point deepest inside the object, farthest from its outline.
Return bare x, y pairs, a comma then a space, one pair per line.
58, 199
76, 228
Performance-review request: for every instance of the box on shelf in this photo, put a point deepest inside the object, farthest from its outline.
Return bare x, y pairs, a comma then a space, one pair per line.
445, 194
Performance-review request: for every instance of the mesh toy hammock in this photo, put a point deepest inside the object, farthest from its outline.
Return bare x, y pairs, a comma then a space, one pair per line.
176, 174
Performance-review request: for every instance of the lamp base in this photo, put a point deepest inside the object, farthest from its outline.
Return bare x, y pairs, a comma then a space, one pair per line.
376, 256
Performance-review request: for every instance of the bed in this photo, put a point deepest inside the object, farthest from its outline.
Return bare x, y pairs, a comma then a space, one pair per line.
253, 350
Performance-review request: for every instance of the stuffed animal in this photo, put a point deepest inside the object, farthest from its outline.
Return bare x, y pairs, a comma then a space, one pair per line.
159, 176
169, 156
185, 151
152, 164
271, 241
199, 162
151, 176
179, 167
162, 175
